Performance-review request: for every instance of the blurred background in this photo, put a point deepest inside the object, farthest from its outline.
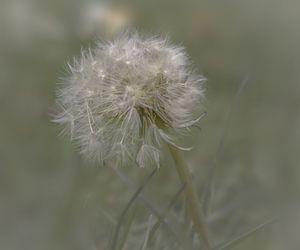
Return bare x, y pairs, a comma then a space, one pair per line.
246, 154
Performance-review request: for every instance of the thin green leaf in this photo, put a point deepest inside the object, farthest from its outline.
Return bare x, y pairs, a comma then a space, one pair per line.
127, 207
172, 202
127, 226
178, 237
209, 190
230, 244
146, 240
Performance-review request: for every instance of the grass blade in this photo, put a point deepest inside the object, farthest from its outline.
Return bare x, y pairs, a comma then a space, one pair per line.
209, 190
178, 237
172, 202
127, 207
145, 243
230, 244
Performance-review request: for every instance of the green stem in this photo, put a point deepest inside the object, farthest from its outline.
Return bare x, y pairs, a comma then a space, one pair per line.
191, 196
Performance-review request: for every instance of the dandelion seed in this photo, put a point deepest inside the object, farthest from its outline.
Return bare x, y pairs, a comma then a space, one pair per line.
125, 98
148, 155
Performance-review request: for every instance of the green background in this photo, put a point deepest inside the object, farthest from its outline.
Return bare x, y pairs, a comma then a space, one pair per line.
52, 199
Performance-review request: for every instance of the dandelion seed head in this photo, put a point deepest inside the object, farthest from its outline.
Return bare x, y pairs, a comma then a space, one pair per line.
127, 97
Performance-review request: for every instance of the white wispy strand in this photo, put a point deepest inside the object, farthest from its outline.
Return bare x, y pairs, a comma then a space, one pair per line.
127, 97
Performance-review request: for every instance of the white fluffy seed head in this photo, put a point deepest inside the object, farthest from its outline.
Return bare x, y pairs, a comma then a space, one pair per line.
127, 97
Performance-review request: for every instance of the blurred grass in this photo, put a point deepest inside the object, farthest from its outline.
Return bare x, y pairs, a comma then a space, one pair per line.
51, 199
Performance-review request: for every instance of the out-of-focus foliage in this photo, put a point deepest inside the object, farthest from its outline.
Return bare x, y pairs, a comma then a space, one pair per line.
249, 142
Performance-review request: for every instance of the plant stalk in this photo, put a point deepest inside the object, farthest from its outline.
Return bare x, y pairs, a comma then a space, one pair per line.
192, 200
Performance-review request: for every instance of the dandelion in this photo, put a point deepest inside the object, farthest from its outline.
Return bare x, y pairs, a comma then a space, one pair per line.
125, 98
